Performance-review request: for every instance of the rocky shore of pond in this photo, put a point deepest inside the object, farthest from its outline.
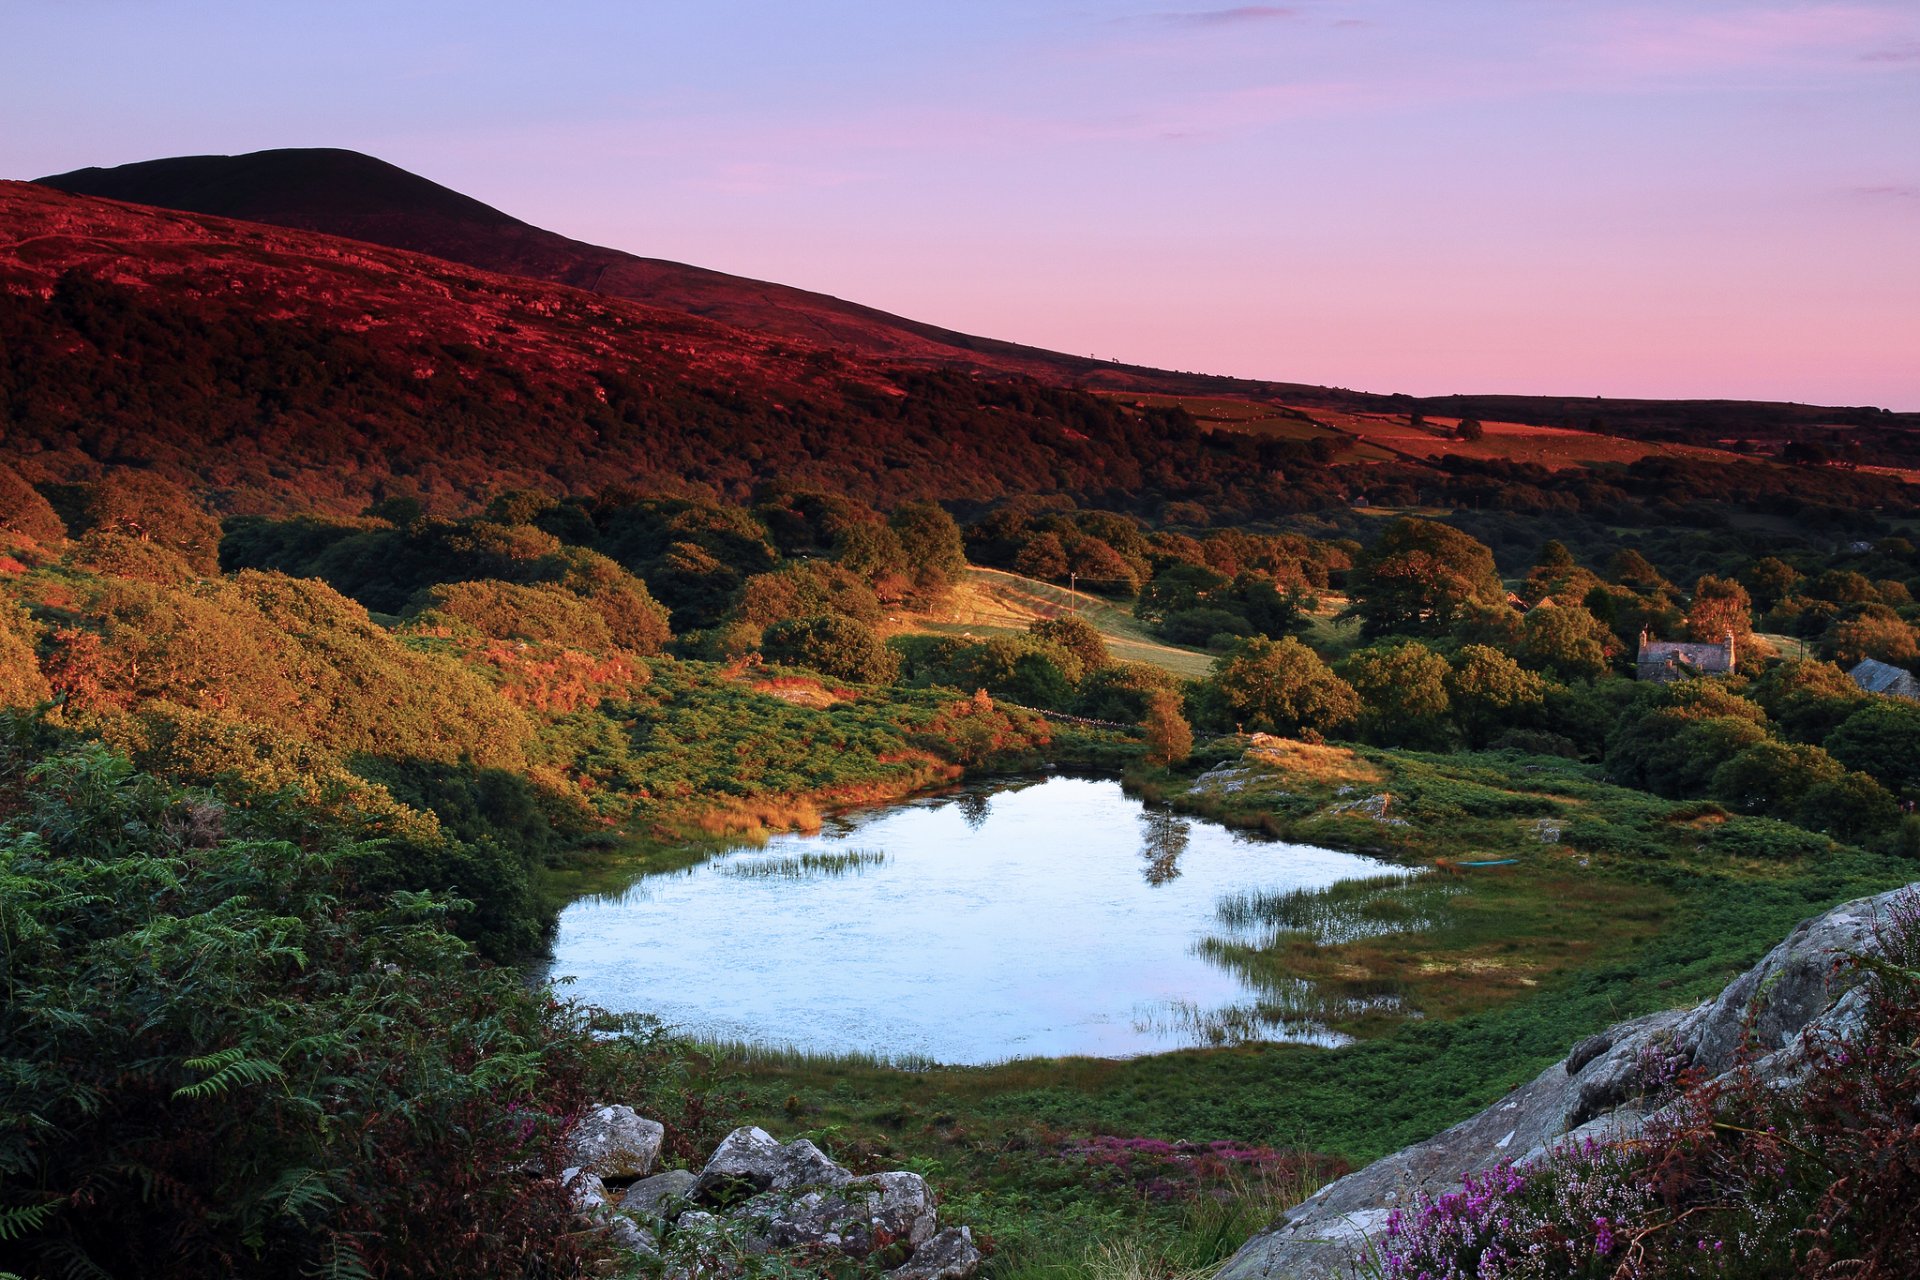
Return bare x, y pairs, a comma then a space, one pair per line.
755, 1196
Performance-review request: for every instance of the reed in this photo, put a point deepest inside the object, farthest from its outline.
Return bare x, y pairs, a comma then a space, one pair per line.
805, 866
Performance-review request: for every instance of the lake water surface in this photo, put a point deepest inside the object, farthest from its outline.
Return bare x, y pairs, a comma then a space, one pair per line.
1020, 920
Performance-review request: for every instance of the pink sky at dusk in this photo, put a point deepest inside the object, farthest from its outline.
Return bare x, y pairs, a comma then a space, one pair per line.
1691, 198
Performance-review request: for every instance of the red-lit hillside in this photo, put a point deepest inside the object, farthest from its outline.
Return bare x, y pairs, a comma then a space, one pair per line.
273, 365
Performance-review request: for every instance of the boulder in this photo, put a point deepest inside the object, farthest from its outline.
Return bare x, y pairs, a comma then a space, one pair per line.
855, 1216
1605, 1089
589, 1192
651, 1195
616, 1142
590, 1201
951, 1255
750, 1160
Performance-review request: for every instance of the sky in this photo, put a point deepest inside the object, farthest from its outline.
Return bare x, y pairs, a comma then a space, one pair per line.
1580, 197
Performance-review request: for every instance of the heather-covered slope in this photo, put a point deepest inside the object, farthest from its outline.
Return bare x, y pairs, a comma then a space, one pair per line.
349, 194
287, 369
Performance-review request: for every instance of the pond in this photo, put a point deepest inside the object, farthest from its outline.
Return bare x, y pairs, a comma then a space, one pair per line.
1021, 919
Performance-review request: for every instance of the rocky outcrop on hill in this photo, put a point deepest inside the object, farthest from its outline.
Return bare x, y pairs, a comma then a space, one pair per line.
1606, 1089
755, 1196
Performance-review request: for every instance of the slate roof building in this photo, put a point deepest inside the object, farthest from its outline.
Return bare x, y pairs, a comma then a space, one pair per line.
1885, 678
1664, 661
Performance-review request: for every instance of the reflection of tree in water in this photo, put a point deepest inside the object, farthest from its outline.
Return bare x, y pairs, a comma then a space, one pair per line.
974, 808
1164, 836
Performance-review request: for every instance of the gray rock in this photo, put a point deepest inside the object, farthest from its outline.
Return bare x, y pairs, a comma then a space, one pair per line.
696, 1220
747, 1160
651, 1195
616, 1142
751, 1160
630, 1235
948, 1256
802, 1164
855, 1216
1605, 1090
591, 1201
589, 1192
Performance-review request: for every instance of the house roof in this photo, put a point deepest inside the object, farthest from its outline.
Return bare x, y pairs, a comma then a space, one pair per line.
1884, 677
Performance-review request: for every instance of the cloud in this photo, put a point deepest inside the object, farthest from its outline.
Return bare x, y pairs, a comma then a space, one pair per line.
1237, 16
1660, 40
1899, 53
1888, 191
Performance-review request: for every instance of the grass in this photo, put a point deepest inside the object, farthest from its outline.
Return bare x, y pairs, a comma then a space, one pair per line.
991, 602
1343, 912
1455, 987
805, 866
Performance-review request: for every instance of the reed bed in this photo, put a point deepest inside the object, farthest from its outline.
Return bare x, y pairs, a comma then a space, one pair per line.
1369, 907
805, 866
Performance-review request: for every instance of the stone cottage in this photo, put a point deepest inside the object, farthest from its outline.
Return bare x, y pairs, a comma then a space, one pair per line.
1664, 661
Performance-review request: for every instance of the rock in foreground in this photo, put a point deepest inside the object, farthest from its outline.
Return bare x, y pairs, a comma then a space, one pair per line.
1605, 1089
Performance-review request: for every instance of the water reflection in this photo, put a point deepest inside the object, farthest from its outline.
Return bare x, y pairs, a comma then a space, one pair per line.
1164, 838
1038, 919
975, 808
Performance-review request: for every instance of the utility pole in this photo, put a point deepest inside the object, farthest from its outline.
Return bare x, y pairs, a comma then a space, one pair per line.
1073, 588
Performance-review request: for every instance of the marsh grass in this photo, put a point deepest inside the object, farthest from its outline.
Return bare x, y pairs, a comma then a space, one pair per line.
1189, 1244
812, 1062
1368, 907
805, 866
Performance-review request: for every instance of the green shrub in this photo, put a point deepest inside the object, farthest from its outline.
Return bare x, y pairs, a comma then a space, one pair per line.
507, 611
1765, 838
213, 1061
832, 645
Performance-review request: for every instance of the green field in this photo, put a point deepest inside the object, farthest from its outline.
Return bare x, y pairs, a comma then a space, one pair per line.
991, 602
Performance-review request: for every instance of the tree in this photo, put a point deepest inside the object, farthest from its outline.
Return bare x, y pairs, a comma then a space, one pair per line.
1875, 632
1281, 686
1673, 737
1807, 699
1771, 580
1023, 669
1628, 568
1421, 576
1177, 587
21, 684
833, 645
1469, 429
1169, 737
1567, 641
1077, 636
1122, 691
1720, 607
936, 553
1773, 777
1852, 807
1042, 557
24, 512
1403, 695
141, 504
1490, 691
1882, 738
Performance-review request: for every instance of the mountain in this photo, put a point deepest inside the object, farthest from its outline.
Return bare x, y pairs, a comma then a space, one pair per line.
283, 369
345, 193
286, 369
